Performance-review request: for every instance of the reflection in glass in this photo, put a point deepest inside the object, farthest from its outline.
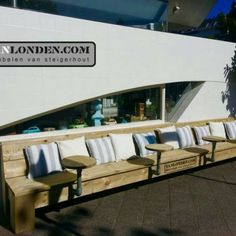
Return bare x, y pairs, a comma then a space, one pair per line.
125, 107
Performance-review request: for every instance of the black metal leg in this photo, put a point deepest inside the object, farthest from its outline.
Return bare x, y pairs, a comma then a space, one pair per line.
78, 190
158, 170
204, 159
213, 151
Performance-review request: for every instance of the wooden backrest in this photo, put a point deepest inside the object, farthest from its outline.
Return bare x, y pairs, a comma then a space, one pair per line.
12, 151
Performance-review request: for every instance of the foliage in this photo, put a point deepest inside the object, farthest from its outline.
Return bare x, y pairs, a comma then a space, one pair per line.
227, 24
229, 95
230, 71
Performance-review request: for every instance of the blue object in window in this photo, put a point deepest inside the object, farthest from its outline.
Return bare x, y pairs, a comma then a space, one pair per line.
33, 129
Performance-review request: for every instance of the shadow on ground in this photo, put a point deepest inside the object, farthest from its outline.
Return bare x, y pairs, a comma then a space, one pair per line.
63, 222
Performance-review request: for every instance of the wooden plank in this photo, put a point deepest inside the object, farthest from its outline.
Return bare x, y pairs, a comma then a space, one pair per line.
54, 196
12, 152
15, 168
22, 213
109, 169
113, 181
225, 154
178, 165
22, 185
93, 186
57, 179
181, 165
175, 155
204, 122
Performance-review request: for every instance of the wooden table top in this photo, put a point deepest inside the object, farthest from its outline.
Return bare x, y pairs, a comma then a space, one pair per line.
141, 161
159, 147
211, 138
78, 162
198, 150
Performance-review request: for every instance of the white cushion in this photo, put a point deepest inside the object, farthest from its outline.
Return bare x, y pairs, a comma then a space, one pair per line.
186, 138
217, 129
200, 132
231, 129
169, 136
73, 147
101, 149
142, 140
123, 146
43, 159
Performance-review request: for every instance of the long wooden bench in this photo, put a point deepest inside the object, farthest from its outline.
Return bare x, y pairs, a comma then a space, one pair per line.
21, 196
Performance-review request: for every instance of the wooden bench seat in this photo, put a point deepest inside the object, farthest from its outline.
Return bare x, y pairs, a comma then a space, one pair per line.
22, 196
22, 185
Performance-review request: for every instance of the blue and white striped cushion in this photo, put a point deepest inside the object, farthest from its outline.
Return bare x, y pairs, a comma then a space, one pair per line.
231, 129
200, 132
43, 159
101, 149
168, 135
144, 139
185, 136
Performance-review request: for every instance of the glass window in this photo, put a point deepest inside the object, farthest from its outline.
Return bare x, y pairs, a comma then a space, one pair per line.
126, 107
132, 106
176, 97
47, 6
6, 3
122, 12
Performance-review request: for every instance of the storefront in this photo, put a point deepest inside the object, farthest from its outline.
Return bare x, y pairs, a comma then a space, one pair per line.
132, 106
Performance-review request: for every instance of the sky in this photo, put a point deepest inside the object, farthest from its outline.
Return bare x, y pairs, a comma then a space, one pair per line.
220, 6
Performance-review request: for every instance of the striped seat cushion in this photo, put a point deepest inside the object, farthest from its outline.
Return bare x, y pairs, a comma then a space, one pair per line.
169, 136
200, 132
43, 159
186, 138
101, 149
231, 129
144, 139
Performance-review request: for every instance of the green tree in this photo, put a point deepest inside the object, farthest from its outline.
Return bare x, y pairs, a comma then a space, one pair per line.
227, 24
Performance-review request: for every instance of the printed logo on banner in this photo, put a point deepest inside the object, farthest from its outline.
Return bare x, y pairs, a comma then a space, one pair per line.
47, 54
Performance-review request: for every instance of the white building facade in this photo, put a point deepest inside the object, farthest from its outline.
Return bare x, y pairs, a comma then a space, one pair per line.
127, 59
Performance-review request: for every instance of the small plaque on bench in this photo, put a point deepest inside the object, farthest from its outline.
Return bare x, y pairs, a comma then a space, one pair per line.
180, 165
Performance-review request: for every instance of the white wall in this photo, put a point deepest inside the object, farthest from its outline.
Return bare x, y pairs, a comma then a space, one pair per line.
126, 58
209, 103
